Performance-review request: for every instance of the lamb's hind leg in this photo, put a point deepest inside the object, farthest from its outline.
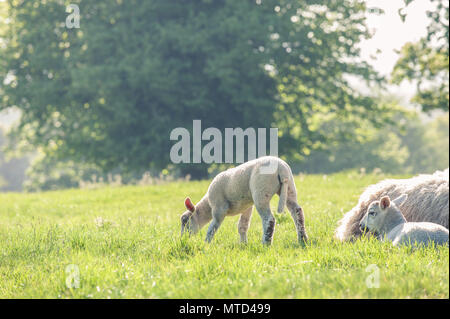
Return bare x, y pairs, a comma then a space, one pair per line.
268, 223
263, 187
299, 220
244, 222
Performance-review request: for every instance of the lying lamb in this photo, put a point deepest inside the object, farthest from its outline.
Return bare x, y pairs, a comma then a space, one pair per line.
384, 219
237, 189
428, 201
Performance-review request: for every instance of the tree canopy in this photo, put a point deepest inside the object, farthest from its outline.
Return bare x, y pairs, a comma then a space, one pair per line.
109, 93
426, 61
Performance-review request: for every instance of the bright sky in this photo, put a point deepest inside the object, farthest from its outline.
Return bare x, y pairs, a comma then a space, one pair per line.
390, 35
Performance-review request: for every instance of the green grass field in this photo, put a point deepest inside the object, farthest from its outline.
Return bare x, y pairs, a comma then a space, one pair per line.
125, 243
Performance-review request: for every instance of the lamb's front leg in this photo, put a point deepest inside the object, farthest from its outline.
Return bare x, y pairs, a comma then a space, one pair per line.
244, 222
218, 215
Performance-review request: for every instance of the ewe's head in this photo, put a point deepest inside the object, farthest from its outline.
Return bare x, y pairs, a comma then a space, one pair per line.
189, 218
375, 218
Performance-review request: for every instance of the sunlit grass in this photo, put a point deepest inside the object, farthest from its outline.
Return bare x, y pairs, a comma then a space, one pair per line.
126, 243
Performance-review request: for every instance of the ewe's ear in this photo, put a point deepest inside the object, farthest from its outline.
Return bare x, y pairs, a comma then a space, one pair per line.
385, 202
400, 200
189, 205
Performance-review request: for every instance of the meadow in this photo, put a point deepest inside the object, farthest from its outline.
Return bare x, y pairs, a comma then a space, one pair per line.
124, 242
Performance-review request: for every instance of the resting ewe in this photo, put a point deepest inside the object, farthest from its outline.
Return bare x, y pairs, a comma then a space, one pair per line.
237, 189
384, 219
427, 202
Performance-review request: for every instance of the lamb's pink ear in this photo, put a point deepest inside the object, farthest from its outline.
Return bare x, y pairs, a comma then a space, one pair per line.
189, 205
385, 202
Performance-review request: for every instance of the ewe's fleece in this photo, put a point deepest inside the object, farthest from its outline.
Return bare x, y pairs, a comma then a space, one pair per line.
427, 201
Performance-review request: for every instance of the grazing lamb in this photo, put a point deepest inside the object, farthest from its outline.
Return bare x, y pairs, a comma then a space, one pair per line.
237, 189
384, 219
427, 201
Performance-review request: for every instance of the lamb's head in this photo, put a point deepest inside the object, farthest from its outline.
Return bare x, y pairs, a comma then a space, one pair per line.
379, 214
189, 218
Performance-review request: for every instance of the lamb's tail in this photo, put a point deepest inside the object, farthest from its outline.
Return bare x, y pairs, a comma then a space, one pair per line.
283, 194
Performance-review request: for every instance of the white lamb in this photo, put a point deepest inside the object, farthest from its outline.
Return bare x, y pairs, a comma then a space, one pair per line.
237, 189
384, 219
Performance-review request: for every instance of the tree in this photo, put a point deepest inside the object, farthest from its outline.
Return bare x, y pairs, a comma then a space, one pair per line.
427, 144
426, 62
411, 145
110, 92
12, 170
